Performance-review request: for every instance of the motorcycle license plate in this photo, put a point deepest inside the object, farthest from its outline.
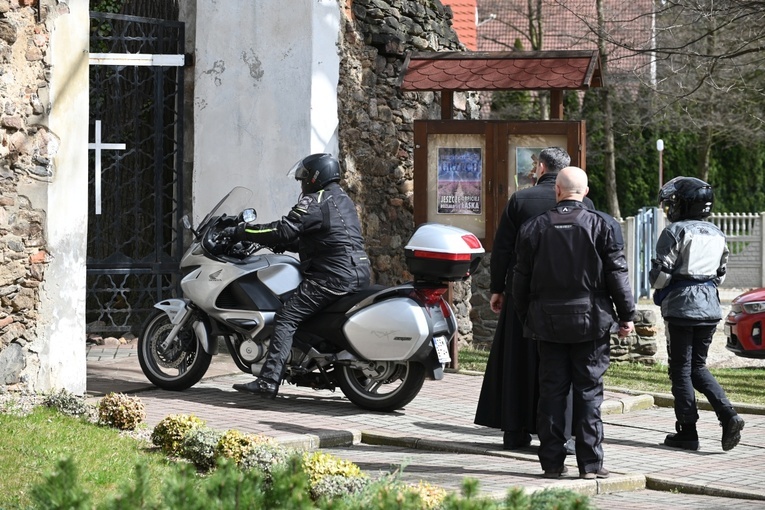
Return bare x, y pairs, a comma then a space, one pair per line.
442, 349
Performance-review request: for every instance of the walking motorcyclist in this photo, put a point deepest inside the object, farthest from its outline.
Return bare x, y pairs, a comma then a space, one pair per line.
691, 258
324, 228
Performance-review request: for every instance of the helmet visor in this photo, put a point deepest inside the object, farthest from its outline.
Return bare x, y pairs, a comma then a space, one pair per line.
669, 189
298, 171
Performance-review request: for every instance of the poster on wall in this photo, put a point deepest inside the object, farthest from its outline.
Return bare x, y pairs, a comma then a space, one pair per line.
526, 159
459, 173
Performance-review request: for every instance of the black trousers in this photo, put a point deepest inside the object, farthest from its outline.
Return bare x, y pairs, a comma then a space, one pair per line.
579, 366
687, 348
310, 297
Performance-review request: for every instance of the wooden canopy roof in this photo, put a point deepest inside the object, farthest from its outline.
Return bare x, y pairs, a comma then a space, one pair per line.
516, 70
449, 72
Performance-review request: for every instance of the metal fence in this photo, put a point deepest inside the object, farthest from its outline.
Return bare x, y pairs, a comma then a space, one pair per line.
744, 235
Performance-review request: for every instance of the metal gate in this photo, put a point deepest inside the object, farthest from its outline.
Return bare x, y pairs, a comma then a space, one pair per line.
135, 168
649, 222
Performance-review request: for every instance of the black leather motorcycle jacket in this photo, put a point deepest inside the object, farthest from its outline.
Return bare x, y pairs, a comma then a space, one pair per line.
571, 272
522, 205
325, 230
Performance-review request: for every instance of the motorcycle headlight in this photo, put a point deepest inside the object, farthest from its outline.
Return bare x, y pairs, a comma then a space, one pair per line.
754, 307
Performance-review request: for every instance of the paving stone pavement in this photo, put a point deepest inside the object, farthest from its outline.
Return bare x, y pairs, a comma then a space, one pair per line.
434, 437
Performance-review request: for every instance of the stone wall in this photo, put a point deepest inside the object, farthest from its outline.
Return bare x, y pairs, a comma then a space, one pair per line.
43, 193
377, 125
27, 148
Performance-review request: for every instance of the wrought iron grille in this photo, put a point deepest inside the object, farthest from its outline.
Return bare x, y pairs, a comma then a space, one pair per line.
134, 245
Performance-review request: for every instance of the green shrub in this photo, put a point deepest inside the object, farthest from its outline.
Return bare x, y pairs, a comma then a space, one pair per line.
319, 464
198, 446
168, 434
61, 489
431, 495
67, 403
383, 494
228, 486
121, 411
236, 445
265, 457
332, 487
559, 499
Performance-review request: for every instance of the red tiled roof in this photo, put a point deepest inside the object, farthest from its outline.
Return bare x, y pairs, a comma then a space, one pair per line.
571, 25
464, 21
518, 70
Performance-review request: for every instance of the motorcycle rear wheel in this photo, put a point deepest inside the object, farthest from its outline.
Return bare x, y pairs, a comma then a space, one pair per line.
179, 366
373, 390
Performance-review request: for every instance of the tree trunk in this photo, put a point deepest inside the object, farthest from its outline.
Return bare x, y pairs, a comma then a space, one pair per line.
704, 154
612, 200
610, 157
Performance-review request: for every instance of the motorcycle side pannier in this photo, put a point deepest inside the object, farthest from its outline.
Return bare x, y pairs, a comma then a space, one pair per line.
442, 253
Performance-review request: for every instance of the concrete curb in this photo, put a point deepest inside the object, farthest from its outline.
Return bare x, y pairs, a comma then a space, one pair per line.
614, 483
627, 404
667, 400
328, 439
668, 484
627, 482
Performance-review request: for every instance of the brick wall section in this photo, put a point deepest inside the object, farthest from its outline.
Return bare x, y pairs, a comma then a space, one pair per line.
27, 148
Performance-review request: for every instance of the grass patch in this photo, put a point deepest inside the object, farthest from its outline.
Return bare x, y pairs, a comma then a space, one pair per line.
49, 460
741, 384
31, 446
473, 359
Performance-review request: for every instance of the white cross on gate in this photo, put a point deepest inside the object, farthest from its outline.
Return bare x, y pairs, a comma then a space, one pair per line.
98, 146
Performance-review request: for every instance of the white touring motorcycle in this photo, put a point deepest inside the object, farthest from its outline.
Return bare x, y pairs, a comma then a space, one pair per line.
378, 345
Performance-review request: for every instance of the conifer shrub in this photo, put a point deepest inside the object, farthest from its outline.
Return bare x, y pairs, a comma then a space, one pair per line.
169, 433
62, 488
121, 411
229, 486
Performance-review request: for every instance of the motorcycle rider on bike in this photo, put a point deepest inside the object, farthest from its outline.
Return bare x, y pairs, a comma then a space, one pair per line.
324, 228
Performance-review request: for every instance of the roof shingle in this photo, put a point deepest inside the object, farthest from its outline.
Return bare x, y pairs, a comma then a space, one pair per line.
518, 70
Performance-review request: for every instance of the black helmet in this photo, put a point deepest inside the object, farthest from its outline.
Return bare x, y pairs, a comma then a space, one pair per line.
316, 171
686, 198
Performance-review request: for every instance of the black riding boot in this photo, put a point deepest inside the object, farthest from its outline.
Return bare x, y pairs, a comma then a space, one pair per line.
686, 438
731, 424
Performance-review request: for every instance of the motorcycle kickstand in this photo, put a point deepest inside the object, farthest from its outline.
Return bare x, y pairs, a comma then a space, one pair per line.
326, 378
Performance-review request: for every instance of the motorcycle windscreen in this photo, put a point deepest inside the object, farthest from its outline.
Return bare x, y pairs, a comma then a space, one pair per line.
391, 330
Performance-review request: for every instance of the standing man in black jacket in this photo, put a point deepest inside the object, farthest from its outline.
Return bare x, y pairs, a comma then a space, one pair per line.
510, 390
570, 273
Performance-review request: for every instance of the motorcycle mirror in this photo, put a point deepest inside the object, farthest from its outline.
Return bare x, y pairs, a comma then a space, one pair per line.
249, 215
187, 225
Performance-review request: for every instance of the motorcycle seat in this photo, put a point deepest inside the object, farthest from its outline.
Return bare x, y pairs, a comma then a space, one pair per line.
345, 303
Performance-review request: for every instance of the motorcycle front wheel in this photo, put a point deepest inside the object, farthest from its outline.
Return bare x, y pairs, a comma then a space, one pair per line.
174, 367
382, 385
